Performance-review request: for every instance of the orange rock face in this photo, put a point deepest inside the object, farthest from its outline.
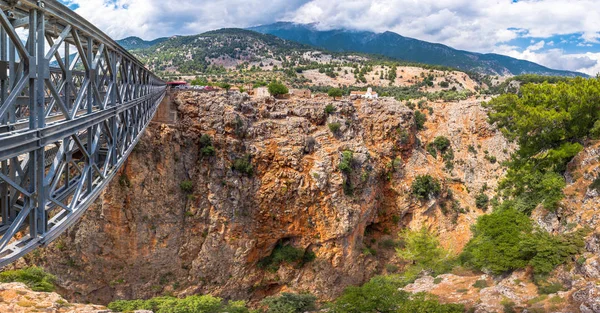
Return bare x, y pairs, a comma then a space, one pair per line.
149, 236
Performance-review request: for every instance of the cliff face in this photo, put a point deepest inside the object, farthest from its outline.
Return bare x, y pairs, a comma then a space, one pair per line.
149, 234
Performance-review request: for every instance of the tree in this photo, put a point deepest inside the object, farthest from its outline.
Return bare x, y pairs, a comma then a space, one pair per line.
424, 250
420, 120
507, 240
278, 89
225, 86
425, 187
549, 122
329, 109
335, 93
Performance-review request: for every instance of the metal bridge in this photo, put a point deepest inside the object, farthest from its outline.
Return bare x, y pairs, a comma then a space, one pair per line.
73, 104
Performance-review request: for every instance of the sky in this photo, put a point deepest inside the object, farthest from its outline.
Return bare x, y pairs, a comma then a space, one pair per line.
560, 34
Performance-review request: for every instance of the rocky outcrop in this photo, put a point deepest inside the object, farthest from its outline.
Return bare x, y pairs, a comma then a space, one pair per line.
149, 234
18, 298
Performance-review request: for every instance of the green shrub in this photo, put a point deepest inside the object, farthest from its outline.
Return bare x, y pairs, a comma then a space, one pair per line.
424, 251
244, 165
595, 185
425, 187
277, 89
547, 288
391, 268
208, 151
432, 150
441, 143
506, 240
334, 127
420, 120
471, 149
482, 283
285, 254
206, 146
34, 277
205, 140
329, 109
346, 162
335, 93
482, 201
382, 295
290, 303
191, 304
186, 186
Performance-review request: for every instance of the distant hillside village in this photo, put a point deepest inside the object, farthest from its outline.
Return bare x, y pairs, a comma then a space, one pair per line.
274, 89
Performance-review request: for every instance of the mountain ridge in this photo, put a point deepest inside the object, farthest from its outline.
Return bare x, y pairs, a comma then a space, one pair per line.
396, 46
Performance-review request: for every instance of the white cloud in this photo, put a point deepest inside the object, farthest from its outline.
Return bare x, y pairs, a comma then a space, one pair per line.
150, 19
588, 63
537, 46
475, 25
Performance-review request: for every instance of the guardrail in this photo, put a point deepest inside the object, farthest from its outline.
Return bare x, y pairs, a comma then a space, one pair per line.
73, 104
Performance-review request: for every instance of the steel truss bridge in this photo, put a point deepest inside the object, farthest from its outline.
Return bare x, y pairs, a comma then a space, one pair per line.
73, 104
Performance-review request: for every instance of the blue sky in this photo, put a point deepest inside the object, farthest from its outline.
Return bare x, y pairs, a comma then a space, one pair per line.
562, 34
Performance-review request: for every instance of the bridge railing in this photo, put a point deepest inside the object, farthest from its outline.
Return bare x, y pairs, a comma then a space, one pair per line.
73, 104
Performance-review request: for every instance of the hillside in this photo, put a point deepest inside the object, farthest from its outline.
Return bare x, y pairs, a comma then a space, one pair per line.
407, 49
215, 50
135, 43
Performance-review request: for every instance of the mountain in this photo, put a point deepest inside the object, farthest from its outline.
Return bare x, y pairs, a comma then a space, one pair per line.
133, 43
214, 50
395, 46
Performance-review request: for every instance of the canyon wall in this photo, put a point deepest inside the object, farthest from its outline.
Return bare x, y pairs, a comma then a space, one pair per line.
180, 219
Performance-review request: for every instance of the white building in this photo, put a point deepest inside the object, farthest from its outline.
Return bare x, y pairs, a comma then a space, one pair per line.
370, 94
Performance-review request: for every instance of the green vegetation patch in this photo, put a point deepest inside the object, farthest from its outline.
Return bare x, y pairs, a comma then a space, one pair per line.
550, 123
425, 187
290, 303
506, 240
285, 254
278, 89
191, 304
34, 277
382, 295
425, 253
244, 165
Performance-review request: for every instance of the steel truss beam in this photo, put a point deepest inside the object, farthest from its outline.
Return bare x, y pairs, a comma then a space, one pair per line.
73, 104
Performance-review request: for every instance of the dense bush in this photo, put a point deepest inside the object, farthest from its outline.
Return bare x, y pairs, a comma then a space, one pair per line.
34, 277
329, 109
206, 146
382, 295
334, 127
290, 303
186, 186
423, 250
425, 187
191, 304
335, 93
244, 165
482, 201
277, 89
285, 254
346, 162
506, 240
420, 120
441, 143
